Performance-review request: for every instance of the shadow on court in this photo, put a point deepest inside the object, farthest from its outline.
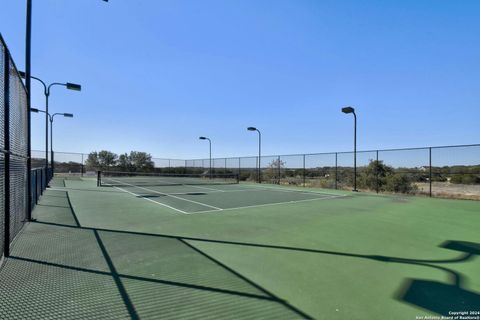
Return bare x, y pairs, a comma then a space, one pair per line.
442, 298
64, 269
68, 271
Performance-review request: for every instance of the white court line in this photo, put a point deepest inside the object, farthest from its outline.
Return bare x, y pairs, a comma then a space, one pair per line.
270, 204
189, 185
225, 191
281, 189
176, 184
168, 195
160, 203
218, 190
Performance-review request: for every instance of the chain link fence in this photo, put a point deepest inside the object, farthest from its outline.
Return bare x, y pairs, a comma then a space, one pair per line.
448, 171
14, 188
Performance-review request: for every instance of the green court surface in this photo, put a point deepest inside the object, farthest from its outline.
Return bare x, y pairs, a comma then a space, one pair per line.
243, 251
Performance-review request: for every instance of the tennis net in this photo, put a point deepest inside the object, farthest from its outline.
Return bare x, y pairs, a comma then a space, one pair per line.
119, 179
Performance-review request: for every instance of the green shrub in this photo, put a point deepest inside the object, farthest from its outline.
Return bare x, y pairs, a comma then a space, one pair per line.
401, 183
465, 179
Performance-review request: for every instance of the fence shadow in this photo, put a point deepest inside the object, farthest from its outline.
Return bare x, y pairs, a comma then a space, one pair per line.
153, 275
149, 269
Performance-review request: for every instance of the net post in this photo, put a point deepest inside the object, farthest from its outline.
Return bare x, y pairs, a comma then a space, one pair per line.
99, 181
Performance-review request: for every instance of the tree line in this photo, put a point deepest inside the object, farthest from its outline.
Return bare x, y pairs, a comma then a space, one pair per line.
131, 162
375, 176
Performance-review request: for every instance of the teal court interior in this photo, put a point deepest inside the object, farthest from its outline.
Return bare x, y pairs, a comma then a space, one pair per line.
241, 251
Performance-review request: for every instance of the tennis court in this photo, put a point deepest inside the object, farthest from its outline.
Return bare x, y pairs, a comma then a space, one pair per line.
194, 194
144, 248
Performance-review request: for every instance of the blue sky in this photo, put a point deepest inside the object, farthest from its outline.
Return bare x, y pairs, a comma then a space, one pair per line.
158, 74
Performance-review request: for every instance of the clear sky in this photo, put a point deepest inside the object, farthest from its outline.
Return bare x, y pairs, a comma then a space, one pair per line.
157, 74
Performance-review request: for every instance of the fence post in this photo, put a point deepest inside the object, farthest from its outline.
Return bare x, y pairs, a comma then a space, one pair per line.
239, 167
38, 183
376, 173
6, 146
279, 170
430, 170
225, 171
304, 171
81, 167
257, 168
336, 170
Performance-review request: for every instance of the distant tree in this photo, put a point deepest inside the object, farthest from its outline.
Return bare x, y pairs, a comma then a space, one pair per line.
107, 159
385, 178
141, 160
124, 162
375, 175
400, 183
274, 170
465, 179
100, 160
92, 162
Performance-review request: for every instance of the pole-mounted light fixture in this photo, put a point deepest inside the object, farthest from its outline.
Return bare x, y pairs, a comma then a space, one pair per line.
47, 88
73, 86
51, 117
259, 151
348, 110
210, 154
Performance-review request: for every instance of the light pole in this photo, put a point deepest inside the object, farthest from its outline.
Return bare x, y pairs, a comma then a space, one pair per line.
210, 156
28, 64
51, 117
46, 92
352, 110
259, 151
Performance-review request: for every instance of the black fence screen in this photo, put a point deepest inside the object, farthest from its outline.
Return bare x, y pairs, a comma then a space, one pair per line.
14, 172
447, 171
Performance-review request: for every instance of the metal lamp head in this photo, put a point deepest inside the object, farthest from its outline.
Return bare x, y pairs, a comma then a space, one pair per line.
73, 86
202, 138
68, 115
34, 110
348, 110
252, 129
22, 74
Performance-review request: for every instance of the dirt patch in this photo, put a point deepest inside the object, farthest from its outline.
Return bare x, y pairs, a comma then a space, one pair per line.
451, 190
